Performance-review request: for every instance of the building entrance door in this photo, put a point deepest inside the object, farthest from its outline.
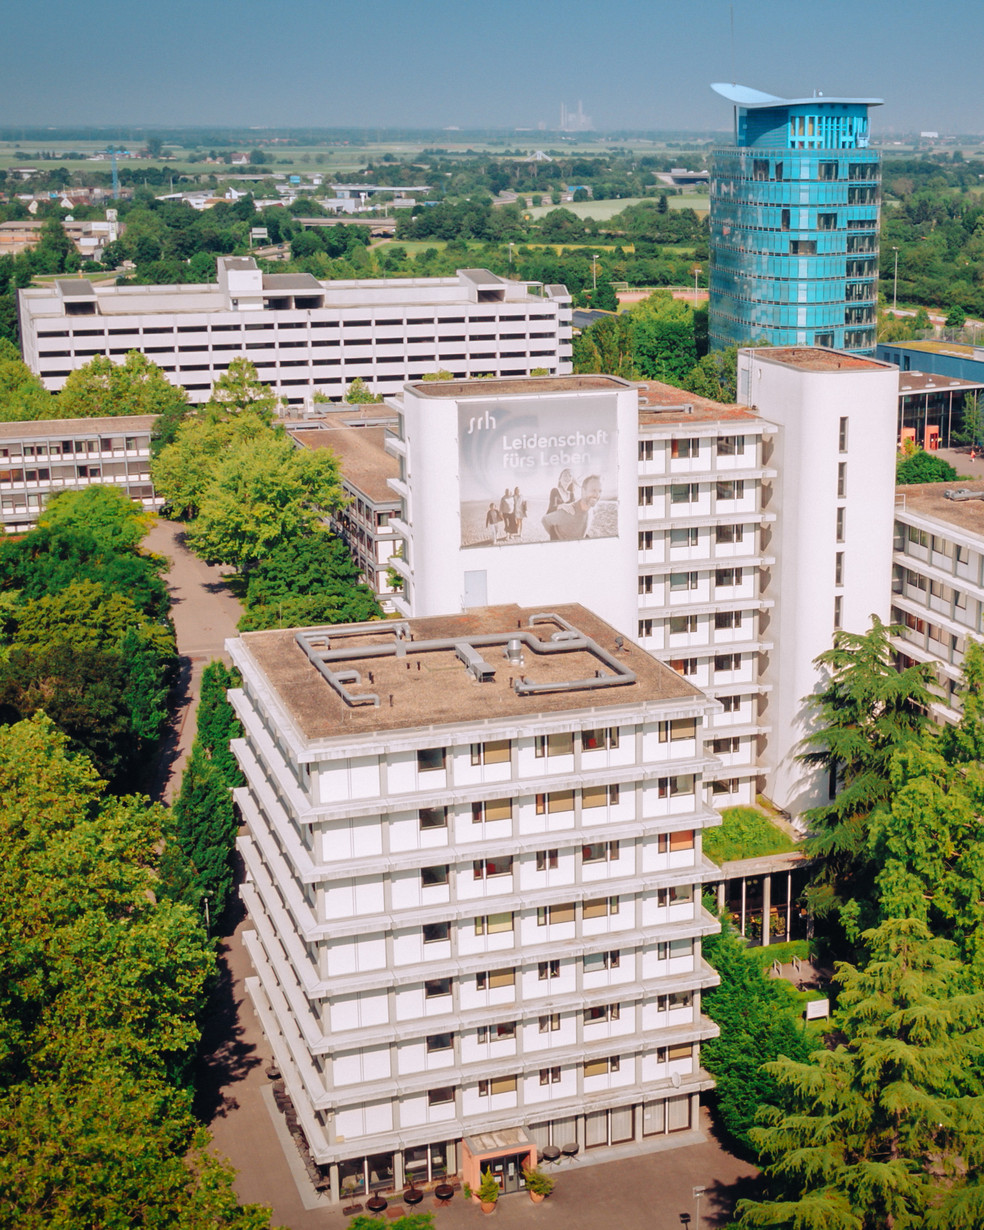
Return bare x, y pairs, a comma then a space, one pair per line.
508, 1170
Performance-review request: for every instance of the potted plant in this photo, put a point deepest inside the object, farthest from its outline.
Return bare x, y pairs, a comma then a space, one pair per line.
538, 1184
488, 1192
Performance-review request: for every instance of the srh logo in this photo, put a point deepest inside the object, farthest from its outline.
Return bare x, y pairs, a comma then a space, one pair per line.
484, 423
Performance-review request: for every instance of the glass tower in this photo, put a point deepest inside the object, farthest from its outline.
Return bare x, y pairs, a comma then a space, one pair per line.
794, 224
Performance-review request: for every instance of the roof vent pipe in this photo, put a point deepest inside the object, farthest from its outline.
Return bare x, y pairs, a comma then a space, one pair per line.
514, 651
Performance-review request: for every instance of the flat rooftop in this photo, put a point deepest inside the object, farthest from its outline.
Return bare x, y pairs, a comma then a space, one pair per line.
661, 403
929, 500
819, 359
405, 674
44, 429
924, 382
364, 461
517, 386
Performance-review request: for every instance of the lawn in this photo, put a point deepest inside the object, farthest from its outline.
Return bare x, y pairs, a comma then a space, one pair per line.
745, 833
604, 211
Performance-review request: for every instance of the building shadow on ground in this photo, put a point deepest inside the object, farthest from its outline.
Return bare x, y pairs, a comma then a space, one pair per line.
224, 1057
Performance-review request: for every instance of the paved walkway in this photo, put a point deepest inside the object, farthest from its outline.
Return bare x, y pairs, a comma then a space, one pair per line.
204, 614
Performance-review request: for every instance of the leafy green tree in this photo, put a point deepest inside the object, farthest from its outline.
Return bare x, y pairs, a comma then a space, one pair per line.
262, 494
239, 389
310, 579
715, 376
358, 393
607, 347
971, 429
22, 395
184, 469
604, 298
135, 386
205, 828
922, 467
217, 721
664, 346
114, 521
757, 1017
886, 1130
956, 317
863, 714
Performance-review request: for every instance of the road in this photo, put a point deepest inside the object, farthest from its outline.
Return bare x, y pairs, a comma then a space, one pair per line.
204, 613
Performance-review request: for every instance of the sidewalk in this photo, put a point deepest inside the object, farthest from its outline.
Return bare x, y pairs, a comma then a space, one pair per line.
204, 614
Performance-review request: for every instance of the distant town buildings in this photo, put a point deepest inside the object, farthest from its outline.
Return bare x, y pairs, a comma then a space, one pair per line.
574, 121
304, 336
794, 224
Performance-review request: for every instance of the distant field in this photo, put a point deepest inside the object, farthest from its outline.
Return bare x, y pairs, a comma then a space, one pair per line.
604, 211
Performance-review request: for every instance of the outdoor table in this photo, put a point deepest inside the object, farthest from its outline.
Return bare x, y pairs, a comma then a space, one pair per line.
443, 1193
550, 1153
376, 1204
570, 1151
413, 1195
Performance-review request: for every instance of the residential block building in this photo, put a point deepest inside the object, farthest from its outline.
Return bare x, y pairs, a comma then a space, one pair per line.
473, 872
938, 584
40, 458
304, 336
794, 224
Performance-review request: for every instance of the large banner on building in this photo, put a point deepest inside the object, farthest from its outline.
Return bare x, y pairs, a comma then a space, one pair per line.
538, 470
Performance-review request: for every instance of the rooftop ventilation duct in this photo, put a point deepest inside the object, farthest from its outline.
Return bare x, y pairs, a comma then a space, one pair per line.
963, 493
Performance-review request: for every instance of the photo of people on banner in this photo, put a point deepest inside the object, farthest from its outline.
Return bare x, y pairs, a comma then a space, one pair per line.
531, 471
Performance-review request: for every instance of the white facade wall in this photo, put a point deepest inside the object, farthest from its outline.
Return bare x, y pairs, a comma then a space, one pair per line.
443, 576
569, 932
384, 331
835, 464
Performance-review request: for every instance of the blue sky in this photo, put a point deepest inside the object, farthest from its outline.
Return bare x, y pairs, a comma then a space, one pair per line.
639, 64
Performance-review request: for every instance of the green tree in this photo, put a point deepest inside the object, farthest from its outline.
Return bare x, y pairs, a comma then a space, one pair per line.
918, 466
217, 721
715, 376
664, 346
205, 827
116, 522
864, 713
956, 317
311, 579
358, 393
604, 298
263, 493
239, 389
22, 395
757, 1017
135, 386
886, 1130
971, 429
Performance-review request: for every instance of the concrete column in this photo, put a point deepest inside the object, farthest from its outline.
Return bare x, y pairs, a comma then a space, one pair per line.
789, 906
766, 908
336, 1191
398, 1177
720, 896
741, 921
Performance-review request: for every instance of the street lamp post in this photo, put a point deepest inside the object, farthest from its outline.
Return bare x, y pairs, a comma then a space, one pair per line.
696, 276
698, 1192
594, 273
895, 280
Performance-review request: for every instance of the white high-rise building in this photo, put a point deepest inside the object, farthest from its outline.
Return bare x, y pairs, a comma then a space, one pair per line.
474, 869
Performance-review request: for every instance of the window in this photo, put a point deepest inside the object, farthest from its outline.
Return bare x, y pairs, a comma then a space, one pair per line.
682, 623
491, 980
841, 513
601, 960
494, 924
802, 247
726, 746
728, 533
645, 496
727, 661
730, 490
429, 759
838, 610
601, 1067
645, 450
671, 842
601, 1012
827, 170
561, 744
842, 436
492, 809
505, 1029
839, 568
601, 737
682, 581
684, 448
555, 914
433, 817
600, 852
434, 988
684, 493
435, 932
784, 219
919, 537
599, 796
496, 752
842, 480
730, 704
550, 1023
646, 584
430, 876
546, 860
727, 577
683, 536
440, 1097
684, 666
549, 1076
677, 729
440, 1042
557, 800
600, 907
730, 446
645, 540
727, 619
644, 628
486, 868
548, 969
681, 783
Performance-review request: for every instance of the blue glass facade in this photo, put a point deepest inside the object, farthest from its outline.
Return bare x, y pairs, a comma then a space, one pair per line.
794, 227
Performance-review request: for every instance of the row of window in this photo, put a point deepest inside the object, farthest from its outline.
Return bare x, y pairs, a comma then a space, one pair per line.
689, 493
